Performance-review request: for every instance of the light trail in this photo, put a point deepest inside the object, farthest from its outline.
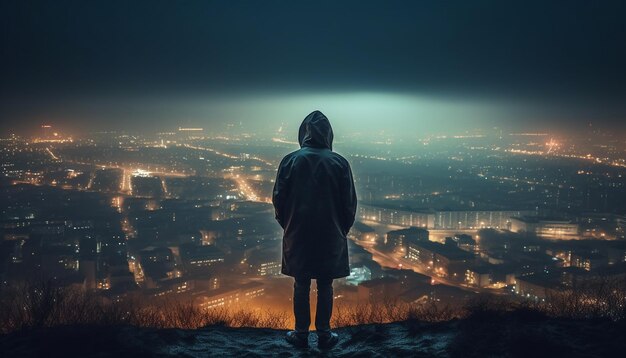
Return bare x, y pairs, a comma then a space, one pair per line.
126, 184
52, 154
246, 189
206, 149
135, 267
164, 186
551, 145
227, 155
284, 141
92, 176
597, 160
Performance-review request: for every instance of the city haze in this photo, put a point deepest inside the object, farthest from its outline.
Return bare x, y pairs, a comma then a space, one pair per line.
427, 66
139, 145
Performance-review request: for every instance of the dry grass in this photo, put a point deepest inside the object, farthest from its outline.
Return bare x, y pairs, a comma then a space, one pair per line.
44, 305
605, 298
392, 311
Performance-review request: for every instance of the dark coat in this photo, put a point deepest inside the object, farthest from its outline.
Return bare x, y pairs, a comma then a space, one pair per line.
315, 203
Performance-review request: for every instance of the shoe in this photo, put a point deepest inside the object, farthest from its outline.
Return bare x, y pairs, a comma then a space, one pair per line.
300, 340
327, 340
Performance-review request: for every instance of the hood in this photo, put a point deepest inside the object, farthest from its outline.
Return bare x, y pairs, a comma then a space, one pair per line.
315, 131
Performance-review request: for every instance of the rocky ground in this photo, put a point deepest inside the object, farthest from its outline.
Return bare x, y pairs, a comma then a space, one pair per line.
508, 335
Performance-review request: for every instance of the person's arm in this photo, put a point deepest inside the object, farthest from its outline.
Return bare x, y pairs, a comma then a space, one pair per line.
278, 194
350, 201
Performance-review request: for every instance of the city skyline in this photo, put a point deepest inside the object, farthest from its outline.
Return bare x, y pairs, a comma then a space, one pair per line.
159, 220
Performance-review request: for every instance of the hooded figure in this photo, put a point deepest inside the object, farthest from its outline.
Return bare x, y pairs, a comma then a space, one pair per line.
315, 203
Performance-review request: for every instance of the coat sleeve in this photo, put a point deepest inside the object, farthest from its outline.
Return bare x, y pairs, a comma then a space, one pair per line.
349, 200
279, 192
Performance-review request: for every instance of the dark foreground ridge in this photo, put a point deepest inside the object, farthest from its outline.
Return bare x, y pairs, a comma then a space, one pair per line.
514, 334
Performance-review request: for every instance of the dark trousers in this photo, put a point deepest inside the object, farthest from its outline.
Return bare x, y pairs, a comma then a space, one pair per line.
302, 309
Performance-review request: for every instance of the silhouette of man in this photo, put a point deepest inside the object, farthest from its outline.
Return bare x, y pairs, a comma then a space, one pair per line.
315, 203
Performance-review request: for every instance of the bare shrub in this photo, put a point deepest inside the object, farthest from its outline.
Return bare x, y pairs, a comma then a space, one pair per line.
32, 305
37, 305
274, 319
486, 304
392, 311
433, 312
175, 314
598, 298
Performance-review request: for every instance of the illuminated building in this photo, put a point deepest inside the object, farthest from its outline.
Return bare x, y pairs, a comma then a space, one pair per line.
478, 275
400, 239
438, 258
588, 260
462, 241
536, 287
451, 220
363, 233
171, 287
546, 228
195, 257
543, 285
462, 220
358, 275
158, 254
379, 289
395, 217
265, 262
230, 296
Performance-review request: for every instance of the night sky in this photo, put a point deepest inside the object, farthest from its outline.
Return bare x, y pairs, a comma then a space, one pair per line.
400, 66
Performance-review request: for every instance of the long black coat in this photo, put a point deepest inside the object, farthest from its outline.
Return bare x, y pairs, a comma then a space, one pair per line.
315, 203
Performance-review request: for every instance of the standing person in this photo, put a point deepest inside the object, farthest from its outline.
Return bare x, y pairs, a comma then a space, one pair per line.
315, 203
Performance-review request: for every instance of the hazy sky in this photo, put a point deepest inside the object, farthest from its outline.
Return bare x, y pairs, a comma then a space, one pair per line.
402, 66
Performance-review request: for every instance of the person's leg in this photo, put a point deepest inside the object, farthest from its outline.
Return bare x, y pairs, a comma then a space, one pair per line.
301, 307
324, 308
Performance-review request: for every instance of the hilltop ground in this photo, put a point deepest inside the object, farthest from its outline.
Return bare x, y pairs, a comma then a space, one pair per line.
514, 334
